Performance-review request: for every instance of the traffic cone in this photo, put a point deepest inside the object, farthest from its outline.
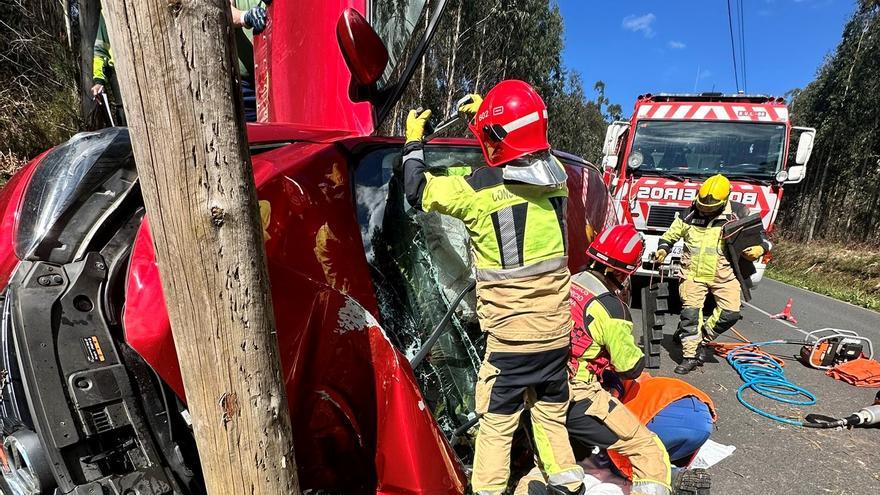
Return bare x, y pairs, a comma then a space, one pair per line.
786, 313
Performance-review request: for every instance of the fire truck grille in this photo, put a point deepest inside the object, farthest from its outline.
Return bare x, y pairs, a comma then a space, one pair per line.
661, 217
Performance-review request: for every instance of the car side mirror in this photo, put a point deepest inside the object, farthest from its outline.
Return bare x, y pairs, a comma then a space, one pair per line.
361, 47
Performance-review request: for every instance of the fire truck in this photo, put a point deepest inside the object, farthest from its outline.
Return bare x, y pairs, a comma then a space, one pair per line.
655, 163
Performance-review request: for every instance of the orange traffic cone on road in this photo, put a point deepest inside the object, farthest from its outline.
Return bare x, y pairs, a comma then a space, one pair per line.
786, 313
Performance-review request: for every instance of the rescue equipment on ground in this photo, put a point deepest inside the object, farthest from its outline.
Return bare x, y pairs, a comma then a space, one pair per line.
786, 313
739, 235
860, 372
763, 373
828, 347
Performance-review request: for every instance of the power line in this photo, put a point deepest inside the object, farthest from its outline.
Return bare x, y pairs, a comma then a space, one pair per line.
732, 46
742, 43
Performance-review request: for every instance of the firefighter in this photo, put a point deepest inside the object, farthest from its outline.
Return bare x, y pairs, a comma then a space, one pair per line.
514, 210
246, 15
601, 340
104, 74
706, 269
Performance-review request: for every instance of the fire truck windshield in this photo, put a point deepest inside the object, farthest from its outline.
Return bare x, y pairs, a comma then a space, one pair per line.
681, 148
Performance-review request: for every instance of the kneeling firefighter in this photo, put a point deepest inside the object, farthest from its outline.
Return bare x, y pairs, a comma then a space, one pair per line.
602, 339
706, 268
514, 210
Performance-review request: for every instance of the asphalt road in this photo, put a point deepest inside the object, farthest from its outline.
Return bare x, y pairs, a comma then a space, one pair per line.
771, 457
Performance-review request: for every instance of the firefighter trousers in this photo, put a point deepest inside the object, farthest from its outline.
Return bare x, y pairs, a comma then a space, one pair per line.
598, 419
691, 329
509, 371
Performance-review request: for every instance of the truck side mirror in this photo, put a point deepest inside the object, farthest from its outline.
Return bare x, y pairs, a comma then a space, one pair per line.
805, 145
612, 135
796, 174
363, 50
798, 170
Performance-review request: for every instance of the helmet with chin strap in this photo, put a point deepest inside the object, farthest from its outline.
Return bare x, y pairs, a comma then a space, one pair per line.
511, 123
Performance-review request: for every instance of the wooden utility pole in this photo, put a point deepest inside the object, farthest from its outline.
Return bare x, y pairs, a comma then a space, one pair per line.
176, 63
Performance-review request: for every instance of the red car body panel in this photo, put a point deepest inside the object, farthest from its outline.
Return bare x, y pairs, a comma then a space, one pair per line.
301, 74
360, 420
10, 208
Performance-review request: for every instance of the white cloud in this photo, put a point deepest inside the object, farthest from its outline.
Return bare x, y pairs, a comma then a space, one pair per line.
678, 45
642, 23
704, 74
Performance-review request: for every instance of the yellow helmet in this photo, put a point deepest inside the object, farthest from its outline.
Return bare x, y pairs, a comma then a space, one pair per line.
714, 192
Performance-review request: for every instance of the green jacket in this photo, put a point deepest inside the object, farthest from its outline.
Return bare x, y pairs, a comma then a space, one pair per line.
602, 333
703, 258
102, 58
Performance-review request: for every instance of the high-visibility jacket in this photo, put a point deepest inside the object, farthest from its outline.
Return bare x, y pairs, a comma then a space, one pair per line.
703, 258
102, 58
602, 333
517, 233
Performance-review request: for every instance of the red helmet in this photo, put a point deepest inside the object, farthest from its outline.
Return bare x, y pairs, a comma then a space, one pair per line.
511, 123
619, 247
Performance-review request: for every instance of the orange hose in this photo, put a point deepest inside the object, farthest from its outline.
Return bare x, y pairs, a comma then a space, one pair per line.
723, 348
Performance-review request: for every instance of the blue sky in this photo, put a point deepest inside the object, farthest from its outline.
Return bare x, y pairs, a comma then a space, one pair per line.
640, 46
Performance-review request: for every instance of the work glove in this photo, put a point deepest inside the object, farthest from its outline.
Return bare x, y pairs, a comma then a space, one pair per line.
752, 253
471, 109
255, 18
659, 255
415, 125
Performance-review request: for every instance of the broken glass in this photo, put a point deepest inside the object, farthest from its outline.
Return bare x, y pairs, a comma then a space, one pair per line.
421, 261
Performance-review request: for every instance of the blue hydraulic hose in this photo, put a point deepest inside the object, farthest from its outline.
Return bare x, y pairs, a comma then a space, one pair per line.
765, 376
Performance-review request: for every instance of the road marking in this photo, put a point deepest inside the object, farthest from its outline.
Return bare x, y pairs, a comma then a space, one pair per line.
826, 297
785, 322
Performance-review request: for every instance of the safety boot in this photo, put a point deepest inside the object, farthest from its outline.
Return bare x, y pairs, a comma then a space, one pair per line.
691, 482
703, 353
687, 365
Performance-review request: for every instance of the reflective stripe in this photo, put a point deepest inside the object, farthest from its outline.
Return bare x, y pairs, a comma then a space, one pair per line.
569, 476
521, 122
507, 239
649, 488
546, 266
417, 153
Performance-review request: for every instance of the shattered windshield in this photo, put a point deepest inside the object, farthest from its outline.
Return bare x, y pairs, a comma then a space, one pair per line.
395, 21
706, 148
419, 263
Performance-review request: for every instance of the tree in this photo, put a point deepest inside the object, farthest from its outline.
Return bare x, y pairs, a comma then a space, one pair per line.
480, 43
177, 67
840, 197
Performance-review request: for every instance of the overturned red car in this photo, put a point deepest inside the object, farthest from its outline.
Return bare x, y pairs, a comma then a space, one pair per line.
92, 399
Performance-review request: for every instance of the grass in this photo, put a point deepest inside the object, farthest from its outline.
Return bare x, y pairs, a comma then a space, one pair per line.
848, 273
